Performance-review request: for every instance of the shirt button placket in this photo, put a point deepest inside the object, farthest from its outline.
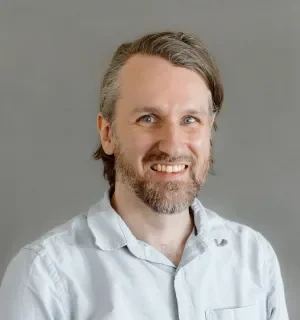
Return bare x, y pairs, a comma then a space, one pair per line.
183, 296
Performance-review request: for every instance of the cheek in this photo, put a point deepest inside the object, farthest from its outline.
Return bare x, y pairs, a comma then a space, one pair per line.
201, 147
198, 144
200, 137
138, 145
135, 146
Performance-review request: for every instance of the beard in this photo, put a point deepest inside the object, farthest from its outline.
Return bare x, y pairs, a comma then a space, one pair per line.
163, 197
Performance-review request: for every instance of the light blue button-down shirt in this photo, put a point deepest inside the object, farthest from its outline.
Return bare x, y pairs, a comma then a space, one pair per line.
93, 268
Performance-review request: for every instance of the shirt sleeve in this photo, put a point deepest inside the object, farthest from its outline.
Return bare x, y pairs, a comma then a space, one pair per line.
31, 289
276, 303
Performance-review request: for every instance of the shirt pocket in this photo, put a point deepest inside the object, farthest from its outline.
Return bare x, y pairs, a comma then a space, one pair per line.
243, 313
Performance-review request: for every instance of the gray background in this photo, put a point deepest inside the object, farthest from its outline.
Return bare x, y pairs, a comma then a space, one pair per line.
52, 57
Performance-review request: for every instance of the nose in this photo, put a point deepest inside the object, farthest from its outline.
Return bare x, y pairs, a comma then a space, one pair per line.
171, 140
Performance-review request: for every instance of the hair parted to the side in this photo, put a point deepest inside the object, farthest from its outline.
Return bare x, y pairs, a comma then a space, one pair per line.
181, 49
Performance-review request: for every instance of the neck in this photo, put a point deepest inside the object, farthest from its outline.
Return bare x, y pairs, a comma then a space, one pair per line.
168, 233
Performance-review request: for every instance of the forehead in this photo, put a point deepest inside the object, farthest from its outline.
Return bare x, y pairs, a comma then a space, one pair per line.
150, 80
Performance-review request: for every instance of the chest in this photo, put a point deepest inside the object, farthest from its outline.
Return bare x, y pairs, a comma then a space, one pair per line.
132, 288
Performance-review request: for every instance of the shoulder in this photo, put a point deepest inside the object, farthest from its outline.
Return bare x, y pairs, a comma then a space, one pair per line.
61, 242
247, 247
39, 269
44, 255
241, 237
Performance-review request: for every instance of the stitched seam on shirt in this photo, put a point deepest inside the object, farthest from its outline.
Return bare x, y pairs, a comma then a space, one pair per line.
190, 294
271, 281
258, 238
26, 284
119, 221
53, 275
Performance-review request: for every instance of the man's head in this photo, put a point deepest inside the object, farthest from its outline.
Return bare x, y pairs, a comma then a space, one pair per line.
159, 99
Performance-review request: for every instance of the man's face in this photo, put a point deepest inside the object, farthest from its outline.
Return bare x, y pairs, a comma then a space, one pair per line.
162, 133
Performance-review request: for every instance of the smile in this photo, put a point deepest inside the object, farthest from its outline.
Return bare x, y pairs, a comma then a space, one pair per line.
168, 168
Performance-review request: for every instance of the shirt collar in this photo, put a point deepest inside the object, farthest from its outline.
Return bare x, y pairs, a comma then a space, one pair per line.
111, 232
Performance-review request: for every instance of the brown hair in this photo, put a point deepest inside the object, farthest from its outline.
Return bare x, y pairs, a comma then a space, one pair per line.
181, 49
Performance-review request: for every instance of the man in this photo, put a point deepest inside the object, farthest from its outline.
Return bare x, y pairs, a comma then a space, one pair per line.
149, 249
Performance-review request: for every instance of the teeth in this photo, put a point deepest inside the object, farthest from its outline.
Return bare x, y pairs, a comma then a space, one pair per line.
169, 169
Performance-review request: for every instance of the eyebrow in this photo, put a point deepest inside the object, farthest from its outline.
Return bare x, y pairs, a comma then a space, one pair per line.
157, 110
148, 109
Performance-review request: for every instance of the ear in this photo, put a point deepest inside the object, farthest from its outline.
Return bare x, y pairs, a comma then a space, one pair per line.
105, 132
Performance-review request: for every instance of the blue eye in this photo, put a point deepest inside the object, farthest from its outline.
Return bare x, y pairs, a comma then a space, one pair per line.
189, 120
147, 119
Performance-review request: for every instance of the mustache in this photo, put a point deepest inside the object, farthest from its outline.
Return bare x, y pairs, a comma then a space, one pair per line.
167, 158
